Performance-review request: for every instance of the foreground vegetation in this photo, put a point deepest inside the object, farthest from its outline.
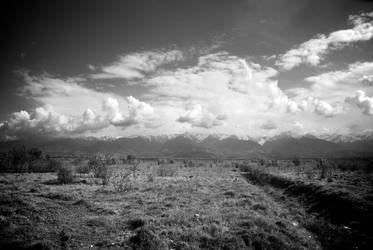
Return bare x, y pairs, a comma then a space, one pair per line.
107, 203
340, 197
167, 206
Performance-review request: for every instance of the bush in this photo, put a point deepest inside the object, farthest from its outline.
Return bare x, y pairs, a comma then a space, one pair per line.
65, 174
136, 223
146, 239
54, 165
150, 177
131, 158
121, 182
99, 167
296, 161
243, 167
21, 160
165, 171
262, 162
83, 169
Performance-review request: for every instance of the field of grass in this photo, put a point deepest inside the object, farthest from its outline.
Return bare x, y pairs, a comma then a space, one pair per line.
171, 206
342, 199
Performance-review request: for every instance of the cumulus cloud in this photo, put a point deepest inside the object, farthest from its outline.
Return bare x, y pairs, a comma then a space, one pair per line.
332, 88
217, 79
310, 104
111, 107
313, 51
192, 99
136, 65
286, 104
324, 108
365, 103
197, 116
138, 112
223, 84
45, 121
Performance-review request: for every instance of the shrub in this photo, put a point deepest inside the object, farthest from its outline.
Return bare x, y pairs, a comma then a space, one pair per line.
98, 165
35, 154
136, 223
135, 167
65, 174
262, 162
244, 167
274, 163
54, 165
326, 169
121, 182
166, 171
150, 177
296, 161
131, 158
83, 169
146, 239
26, 160
309, 173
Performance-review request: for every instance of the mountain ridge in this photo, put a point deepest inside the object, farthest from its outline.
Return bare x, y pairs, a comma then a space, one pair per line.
284, 145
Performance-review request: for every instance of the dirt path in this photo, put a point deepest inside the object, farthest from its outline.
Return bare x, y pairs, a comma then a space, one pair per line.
329, 215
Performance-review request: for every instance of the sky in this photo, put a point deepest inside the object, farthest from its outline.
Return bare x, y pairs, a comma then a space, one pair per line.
155, 67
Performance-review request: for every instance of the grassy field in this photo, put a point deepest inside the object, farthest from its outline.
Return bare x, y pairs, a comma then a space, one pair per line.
340, 197
170, 206
187, 205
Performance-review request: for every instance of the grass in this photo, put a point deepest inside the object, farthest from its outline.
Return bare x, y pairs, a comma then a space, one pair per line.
343, 218
199, 207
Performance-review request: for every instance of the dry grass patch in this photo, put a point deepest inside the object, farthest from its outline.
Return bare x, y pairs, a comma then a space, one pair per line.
200, 207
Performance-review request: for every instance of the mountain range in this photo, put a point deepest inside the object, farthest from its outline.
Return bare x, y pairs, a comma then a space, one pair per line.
285, 145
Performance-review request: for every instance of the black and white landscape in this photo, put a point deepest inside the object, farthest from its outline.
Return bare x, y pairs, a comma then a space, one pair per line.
186, 124
197, 146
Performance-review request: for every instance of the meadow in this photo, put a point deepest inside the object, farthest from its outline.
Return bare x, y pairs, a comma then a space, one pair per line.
106, 203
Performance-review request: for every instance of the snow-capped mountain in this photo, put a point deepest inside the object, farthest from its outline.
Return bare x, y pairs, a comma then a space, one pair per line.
286, 144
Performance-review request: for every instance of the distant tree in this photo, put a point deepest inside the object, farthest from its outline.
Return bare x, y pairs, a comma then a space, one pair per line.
131, 158
35, 154
65, 174
98, 165
262, 162
296, 161
323, 167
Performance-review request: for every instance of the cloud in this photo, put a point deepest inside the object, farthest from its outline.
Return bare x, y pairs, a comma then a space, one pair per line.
197, 116
367, 79
332, 87
311, 104
222, 84
365, 103
324, 108
191, 99
312, 52
138, 112
46, 85
136, 65
285, 104
45, 121
111, 107
215, 80
269, 125
67, 95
